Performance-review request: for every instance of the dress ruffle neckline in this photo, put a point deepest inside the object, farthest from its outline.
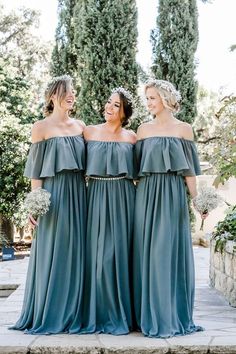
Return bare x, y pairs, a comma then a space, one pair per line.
110, 158
167, 154
51, 156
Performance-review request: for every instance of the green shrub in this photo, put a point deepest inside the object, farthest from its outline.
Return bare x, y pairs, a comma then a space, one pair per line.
14, 145
225, 230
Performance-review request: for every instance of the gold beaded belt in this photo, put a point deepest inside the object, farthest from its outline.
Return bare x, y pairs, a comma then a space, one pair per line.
107, 178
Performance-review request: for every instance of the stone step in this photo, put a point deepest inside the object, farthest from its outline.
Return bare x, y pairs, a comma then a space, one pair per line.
129, 350
7, 289
134, 343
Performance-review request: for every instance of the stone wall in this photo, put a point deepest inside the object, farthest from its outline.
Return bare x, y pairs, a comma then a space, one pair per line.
223, 271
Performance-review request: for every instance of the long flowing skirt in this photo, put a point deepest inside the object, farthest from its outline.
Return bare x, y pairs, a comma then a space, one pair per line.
163, 266
53, 294
110, 226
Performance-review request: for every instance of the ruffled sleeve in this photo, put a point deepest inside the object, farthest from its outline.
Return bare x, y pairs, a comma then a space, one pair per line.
191, 155
48, 157
35, 161
167, 154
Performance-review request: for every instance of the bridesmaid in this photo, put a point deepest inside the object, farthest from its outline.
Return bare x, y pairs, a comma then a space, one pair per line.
163, 256
111, 194
56, 163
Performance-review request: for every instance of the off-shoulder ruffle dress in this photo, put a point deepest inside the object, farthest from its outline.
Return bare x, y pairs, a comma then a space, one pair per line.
108, 244
163, 266
53, 294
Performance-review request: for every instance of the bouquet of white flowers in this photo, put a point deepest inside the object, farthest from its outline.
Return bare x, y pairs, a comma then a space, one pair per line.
37, 202
206, 200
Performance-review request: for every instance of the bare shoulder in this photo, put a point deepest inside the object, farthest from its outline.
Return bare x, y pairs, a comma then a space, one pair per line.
80, 123
38, 131
77, 125
131, 136
90, 131
186, 131
143, 130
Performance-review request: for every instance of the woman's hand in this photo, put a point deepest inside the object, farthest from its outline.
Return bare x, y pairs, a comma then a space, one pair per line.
32, 221
204, 215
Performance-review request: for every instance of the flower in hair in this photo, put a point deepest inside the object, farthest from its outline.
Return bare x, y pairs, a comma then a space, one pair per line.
167, 86
124, 92
55, 79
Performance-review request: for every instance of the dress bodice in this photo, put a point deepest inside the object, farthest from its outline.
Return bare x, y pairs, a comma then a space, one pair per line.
108, 158
53, 155
167, 154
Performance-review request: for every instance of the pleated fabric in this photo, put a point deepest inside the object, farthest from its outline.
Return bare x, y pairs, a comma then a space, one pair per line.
53, 294
107, 307
163, 265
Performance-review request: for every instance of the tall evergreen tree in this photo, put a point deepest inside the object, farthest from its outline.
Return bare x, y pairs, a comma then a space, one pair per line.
64, 55
174, 45
106, 40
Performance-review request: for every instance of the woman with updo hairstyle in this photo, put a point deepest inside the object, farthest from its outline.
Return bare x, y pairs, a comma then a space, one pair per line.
163, 266
169, 95
111, 192
56, 162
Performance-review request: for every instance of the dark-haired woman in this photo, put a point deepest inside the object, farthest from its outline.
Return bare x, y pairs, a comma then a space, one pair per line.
56, 162
111, 193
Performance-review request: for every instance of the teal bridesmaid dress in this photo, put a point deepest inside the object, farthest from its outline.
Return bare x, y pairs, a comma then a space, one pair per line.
163, 265
111, 195
53, 293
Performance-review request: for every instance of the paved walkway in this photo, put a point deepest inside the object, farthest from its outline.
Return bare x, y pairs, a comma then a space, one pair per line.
211, 311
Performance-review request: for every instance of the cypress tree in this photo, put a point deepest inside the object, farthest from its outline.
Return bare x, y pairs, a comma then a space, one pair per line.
64, 55
174, 45
106, 38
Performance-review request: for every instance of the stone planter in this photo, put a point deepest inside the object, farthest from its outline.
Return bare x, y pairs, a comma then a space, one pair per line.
223, 271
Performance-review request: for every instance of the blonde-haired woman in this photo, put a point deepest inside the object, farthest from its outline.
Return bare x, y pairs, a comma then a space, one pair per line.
56, 161
163, 257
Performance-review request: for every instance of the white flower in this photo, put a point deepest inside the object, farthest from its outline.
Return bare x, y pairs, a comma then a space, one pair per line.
37, 202
124, 92
166, 86
207, 200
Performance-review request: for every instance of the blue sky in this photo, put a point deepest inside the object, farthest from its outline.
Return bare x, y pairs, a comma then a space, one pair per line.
216, 68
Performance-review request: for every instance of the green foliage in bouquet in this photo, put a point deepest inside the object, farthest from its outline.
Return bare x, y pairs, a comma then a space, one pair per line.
225, 230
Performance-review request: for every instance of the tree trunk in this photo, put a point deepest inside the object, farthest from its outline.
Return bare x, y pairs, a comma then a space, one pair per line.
21, 233
7, 229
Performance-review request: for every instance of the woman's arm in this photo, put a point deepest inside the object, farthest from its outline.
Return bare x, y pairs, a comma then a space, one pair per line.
37, 134
187, 133
36, 183
192, 185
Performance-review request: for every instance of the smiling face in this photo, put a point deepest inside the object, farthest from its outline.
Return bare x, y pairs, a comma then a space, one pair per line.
68, 101
59, 94
64, 97
114, 109
154, 102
